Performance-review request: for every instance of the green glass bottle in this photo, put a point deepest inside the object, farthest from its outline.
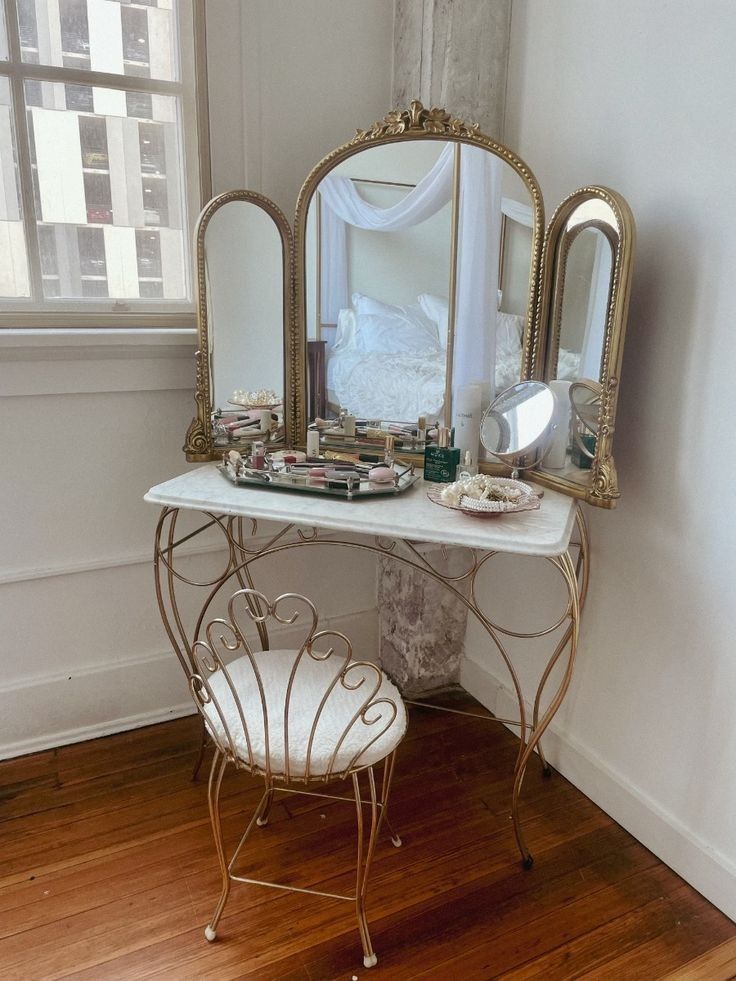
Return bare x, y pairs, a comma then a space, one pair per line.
441, 461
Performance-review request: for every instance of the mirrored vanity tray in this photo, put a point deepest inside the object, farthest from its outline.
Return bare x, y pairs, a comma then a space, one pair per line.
282, 481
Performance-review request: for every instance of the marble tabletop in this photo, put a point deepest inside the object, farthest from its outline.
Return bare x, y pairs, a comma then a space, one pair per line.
409, 515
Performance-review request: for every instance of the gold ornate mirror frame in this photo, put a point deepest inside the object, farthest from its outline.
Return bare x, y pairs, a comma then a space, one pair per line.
601, 489
199, 443
547, 269
414, 123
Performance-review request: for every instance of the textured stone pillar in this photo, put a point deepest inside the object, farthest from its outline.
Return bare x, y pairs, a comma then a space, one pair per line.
421, 624
453, 53
449, 53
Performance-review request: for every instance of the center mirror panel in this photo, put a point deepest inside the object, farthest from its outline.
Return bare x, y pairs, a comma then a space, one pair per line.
380, 260
418, 285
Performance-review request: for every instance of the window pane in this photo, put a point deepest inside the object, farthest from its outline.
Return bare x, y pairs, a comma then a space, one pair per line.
3, 35
77, 97
108, 195
102, 35
152, 290
14, 281
150, 269
148, 248
28, 29
139, 104
91, 243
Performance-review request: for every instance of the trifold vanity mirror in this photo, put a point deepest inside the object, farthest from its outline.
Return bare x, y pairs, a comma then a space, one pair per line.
419, 284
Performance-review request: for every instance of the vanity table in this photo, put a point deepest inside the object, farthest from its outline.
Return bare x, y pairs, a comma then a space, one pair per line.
556, 533
415, 282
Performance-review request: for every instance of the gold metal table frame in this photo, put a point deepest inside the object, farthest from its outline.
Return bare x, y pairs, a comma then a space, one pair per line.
244, 551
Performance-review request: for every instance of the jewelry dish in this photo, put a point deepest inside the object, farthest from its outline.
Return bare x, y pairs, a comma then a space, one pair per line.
486, 496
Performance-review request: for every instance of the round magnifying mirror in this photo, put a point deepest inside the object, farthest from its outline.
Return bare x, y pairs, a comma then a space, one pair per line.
519, 421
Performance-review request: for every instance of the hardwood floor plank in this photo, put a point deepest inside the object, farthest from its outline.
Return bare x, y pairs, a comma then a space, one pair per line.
109, 871
718, 964
570, 918
692, 927
480, 909
600, 952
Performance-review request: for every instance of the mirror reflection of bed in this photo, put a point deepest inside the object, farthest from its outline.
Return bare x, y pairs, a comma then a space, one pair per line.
407, 245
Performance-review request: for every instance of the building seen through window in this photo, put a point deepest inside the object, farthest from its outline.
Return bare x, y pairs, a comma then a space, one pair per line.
106, 161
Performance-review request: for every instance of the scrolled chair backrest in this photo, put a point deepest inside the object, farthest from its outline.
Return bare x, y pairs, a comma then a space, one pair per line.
280, 712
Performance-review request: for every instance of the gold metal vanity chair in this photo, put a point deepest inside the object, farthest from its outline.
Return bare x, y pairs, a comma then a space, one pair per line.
299, 716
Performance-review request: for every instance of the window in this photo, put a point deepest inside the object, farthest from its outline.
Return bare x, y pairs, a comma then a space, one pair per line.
99, 163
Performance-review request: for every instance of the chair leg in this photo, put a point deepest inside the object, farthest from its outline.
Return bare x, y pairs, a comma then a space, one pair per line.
203, 739
388, 772
265, 810
363, 869
219, 763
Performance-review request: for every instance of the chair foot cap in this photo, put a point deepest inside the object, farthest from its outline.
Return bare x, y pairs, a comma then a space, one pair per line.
370, 961
396, 841
261, 822
528, 861
209, 933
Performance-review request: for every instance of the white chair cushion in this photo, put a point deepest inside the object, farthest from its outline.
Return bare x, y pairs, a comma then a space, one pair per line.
312, 679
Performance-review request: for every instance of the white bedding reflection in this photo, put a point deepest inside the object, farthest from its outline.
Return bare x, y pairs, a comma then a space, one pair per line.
389, 362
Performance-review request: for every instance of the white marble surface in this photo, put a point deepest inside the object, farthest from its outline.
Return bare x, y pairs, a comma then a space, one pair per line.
409, 515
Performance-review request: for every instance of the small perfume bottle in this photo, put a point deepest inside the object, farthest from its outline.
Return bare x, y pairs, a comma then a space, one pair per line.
422, 430
348, 425
388, 456
312, 443
258, 456
441, 461
468, 467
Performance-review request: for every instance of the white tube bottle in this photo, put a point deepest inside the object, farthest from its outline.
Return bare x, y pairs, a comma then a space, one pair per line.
466, 414
556, 455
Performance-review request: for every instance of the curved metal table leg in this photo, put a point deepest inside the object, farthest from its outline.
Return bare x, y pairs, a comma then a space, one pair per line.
582, 570
570, 640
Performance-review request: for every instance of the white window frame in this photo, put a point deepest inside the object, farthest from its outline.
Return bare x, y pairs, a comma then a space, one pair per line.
35, 312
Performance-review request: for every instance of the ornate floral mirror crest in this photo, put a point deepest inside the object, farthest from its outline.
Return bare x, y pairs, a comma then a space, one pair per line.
584, 288
244, 250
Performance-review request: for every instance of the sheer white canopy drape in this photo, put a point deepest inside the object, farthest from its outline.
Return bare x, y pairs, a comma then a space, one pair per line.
479, 235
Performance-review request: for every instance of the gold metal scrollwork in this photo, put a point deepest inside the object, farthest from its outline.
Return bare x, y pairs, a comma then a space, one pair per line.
197, 656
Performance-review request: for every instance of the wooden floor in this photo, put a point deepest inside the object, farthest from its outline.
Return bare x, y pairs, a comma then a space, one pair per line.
108, 870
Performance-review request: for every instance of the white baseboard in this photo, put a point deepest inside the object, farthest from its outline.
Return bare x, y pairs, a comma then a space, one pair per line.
52, 710
706, 868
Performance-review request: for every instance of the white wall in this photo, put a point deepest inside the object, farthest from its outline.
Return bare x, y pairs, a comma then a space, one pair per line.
311, 72
639, 96
91, 421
